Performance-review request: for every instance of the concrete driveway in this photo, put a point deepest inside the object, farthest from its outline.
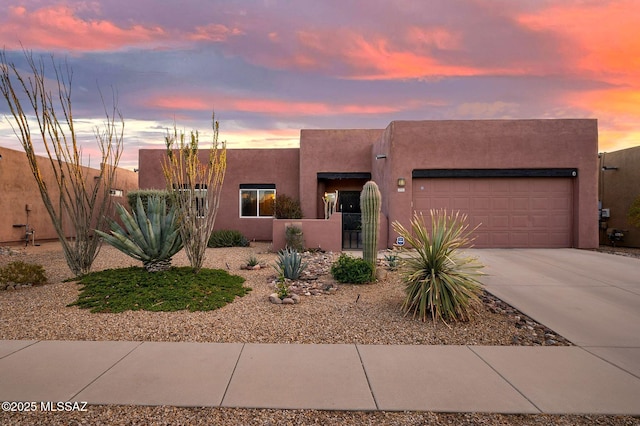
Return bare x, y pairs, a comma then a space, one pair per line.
591, 298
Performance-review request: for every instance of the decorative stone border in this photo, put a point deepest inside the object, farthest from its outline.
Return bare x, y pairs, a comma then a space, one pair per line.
291, 300
254, 267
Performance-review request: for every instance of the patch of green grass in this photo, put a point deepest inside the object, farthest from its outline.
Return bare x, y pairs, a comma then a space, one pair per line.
134, 289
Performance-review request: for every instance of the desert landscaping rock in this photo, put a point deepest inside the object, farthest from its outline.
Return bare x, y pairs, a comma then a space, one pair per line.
331, 312
273, 298
142, 415
365, 314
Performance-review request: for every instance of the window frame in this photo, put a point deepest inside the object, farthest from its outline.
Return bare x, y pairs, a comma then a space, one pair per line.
257, 189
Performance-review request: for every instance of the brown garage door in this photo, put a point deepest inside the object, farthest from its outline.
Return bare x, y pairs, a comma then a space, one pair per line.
512, 212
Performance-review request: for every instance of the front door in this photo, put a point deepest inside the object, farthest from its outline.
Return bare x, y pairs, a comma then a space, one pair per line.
349, 203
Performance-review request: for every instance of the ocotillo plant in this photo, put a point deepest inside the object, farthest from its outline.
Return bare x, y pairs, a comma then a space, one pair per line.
370, 201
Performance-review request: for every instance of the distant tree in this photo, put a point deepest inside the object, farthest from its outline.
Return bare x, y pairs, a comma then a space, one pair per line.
634, 213
76, 196
195, 188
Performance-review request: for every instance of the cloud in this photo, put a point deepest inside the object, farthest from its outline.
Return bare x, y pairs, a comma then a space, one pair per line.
58, 27
273, 107
496, 109
214, 33
607, 34
377, 59
277, 64
618, 113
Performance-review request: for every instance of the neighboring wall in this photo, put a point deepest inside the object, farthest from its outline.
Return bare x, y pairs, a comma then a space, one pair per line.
345, 150
617, 190
244, 166
487, 144
19, 189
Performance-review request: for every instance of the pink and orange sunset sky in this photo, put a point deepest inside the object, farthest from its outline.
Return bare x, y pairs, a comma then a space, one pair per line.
272, 67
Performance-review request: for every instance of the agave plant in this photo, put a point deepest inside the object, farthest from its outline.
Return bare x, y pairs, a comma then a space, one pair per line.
151, 236
438, 279
289, 263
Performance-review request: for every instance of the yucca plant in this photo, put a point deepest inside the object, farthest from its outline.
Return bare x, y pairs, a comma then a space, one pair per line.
151, 236
289, 264
439, 281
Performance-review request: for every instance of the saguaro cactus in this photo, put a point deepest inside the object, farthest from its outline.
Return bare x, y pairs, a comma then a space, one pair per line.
370, 201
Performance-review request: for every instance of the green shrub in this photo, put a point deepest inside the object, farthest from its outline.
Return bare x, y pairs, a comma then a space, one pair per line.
145, 194
22, 273
289, 264
351, 270
438, 280
287, 208
282, 289
294, 238
133, 289
227, 238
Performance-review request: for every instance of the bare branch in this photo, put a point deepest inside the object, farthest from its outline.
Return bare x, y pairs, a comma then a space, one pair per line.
77, 201
196, 186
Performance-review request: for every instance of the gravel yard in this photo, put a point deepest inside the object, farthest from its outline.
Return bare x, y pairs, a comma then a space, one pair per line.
365, 314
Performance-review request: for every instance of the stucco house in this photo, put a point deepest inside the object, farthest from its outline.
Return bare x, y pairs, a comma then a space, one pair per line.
619, 186
528, 183
21, 203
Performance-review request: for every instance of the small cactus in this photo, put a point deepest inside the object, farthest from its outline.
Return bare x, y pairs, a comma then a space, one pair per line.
370, 202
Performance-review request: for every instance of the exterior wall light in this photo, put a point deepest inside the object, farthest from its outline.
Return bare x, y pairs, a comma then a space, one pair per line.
402, 182
381, 156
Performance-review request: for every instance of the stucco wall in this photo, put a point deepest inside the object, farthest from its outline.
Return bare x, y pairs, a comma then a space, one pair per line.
244, 166
19, 188
343, 150
486, 144
617, 190
320, 233
317, 233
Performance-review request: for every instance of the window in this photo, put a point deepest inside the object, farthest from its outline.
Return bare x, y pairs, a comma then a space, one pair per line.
257, 200
200, 199
202, 202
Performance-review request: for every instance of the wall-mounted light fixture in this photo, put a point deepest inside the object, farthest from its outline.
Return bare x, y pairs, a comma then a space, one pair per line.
0, 156
402, 182
381, 156
605, 168
135, 170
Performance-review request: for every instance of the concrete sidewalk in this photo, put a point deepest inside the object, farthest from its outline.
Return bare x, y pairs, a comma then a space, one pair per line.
324, 377
593, 299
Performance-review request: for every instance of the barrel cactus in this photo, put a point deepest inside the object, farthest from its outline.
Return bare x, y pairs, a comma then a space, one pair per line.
151, 236
370, 202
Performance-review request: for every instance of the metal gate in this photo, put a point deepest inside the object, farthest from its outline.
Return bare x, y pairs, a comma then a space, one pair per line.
351, 231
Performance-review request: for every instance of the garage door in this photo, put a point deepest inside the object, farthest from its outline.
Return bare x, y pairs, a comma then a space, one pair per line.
511, 212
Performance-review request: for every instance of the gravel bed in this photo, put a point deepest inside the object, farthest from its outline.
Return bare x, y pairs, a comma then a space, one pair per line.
620, 251
364, 314
127, 415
